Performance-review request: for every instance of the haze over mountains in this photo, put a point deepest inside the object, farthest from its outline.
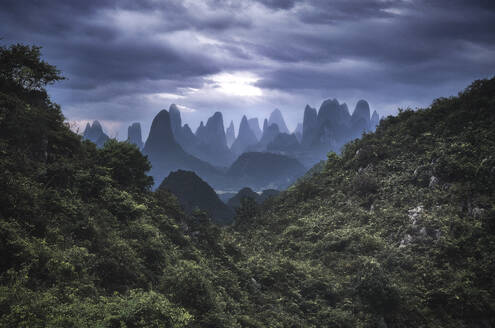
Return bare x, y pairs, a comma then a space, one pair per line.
259, 158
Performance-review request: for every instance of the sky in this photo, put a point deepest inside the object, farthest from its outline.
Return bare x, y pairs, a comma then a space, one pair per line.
126, 60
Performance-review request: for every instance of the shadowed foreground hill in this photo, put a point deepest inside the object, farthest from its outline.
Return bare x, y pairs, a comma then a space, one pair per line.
192, 192
397, 232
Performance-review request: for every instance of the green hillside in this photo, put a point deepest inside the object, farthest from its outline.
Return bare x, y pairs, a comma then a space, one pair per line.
396, 232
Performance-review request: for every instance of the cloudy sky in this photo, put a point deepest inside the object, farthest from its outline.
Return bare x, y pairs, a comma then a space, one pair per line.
126, 60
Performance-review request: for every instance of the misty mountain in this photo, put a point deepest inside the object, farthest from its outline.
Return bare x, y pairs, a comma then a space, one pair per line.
212, 142
265, 170
94, 133
194, 193
230, 134
254, 125
298, 131
166, 155
277, 118
269, 134
134, 135
375, 120
208, 144
245, 137
284, 143
360, 119
309, 125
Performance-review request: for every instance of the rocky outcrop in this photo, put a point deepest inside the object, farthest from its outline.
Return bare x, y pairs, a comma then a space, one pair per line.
134, 135
94, 133
245, 138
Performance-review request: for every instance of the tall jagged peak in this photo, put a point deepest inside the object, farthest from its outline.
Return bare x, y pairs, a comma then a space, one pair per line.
309, 124
94, 133
200, 129
375, 115
213, 132
332, 110
134, 134
96, 125
175, 119
245, 137
362, 110
277, 118
161, 137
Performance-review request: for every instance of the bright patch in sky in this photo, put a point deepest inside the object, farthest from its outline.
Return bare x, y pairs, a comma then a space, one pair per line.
186, 109
236, 84
164, 95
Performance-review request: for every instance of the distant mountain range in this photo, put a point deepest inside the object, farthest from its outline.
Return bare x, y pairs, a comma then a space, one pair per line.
94, 132
270, 157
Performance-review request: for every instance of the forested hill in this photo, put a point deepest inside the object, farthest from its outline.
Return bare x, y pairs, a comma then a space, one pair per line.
396, 232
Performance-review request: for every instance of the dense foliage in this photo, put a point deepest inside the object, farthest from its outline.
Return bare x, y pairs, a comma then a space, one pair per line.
398, 231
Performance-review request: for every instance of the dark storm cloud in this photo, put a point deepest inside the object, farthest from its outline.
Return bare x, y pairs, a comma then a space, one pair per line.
278, 4
117, 54
409, 42
94, 51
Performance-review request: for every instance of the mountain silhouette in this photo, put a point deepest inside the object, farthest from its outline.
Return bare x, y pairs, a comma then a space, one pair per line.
193, 192
134, 135
166, 155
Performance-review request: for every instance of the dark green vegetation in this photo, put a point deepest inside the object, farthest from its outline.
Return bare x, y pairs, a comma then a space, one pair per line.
236, 200
193, 193
396, 232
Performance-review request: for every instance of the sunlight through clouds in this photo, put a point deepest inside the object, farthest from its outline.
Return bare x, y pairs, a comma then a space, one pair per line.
235, 84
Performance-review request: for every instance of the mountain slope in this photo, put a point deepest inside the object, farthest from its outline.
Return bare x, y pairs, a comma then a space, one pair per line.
397, 232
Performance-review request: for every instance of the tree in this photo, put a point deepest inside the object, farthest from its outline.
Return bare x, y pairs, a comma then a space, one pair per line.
128, 166
21, 65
